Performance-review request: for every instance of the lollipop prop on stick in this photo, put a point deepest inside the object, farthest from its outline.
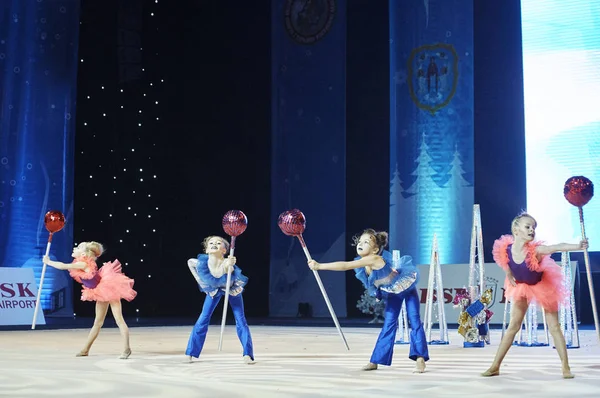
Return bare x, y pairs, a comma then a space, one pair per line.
235, 223
579, 191
293, 223
54, 222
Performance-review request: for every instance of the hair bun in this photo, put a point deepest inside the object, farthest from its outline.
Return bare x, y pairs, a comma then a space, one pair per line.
382, 239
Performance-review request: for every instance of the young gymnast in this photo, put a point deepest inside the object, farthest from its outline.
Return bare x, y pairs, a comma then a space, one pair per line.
210, 271
106, 286
531, 275
374, 268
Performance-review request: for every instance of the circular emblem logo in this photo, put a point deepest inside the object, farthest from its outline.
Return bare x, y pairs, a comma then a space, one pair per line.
307, 21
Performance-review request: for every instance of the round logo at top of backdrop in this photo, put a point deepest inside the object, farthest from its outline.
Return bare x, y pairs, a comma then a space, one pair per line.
308, 21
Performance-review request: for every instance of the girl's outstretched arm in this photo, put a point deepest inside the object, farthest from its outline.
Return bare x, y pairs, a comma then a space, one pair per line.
376, 262
561, 247
63, 266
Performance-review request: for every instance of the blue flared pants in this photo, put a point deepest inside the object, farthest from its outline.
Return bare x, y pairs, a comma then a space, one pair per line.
198, 335
384, 348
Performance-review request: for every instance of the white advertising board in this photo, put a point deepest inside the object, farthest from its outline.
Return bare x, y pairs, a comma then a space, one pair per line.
18, 292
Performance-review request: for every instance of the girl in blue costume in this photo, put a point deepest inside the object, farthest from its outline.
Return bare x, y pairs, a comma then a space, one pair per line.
374, 268
210, 271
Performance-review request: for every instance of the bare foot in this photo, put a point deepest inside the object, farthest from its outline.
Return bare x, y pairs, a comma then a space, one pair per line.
125, 354
420, 368
491, 372
370, 366
566, 371
248, 360
82, 353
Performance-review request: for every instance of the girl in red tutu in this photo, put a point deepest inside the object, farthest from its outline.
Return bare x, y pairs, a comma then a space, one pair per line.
531, 276
106, 286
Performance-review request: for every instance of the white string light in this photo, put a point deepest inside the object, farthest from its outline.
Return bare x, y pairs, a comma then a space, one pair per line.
107, 137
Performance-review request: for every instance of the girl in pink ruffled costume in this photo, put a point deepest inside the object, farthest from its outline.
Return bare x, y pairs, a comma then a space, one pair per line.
106, 286
531, 275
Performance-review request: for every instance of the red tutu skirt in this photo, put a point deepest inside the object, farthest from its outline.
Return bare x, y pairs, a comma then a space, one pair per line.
549, 293
112, 284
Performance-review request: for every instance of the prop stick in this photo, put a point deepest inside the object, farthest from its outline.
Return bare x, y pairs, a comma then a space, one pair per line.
504, 317
293, 223
54, 222
235, 223
579, 191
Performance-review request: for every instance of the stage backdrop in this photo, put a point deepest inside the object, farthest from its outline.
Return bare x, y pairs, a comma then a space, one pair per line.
562, 129
431, 127
455, 278
38, 72
308, 151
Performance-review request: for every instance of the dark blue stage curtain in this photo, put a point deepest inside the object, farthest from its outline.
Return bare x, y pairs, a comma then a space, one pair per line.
308, 151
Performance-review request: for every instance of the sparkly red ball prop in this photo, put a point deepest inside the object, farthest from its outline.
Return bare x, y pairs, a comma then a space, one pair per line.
292, 222
235, 222
578, 190
54, 221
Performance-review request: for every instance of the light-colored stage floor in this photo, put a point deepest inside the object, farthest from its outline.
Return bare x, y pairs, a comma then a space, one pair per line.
291, 362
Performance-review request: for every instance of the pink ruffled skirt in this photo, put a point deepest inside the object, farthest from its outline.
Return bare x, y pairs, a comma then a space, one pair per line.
549, 293
113, 285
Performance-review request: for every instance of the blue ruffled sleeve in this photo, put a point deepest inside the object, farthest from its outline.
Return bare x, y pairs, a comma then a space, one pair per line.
211, 285
361, 275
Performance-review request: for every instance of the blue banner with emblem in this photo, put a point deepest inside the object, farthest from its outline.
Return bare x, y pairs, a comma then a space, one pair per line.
308, 152
431, 128
38, 76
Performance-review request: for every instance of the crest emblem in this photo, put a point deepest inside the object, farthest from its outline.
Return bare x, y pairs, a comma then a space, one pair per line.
307, 21
491, 283
432, 76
